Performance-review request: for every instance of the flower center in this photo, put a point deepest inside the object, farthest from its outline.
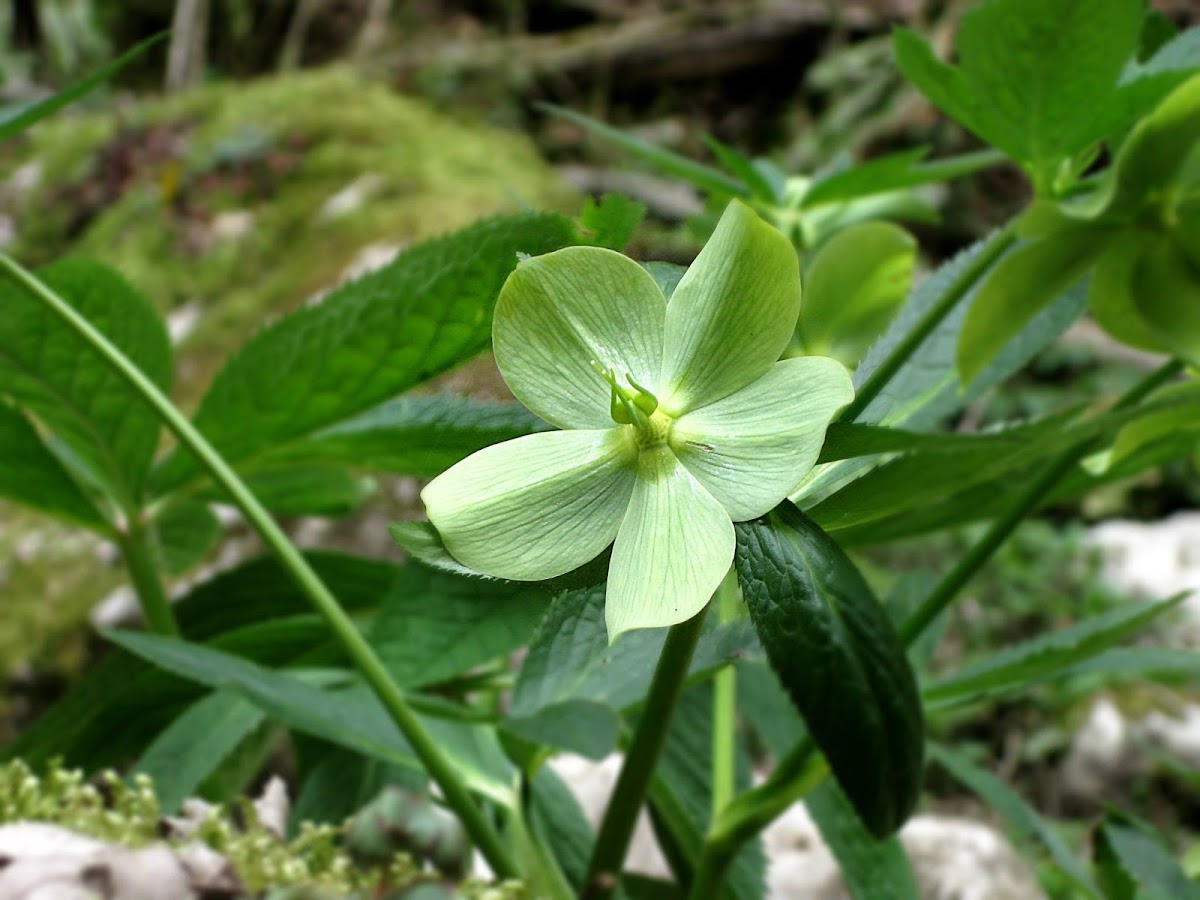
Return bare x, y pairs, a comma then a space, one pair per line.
632, 404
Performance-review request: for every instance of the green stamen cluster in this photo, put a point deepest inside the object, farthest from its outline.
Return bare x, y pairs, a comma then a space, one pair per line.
633, 404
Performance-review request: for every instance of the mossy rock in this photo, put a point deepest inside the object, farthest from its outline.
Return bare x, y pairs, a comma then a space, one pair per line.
221, 197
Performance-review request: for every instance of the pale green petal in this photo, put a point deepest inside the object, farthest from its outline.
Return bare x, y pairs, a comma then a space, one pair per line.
732, 314
751, 449
559, 312
537, 506
674, 547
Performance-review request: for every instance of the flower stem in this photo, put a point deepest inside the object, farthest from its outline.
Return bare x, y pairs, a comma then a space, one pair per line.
441, 769
794, 775
138, 552
991, 251
724, 723
616, 829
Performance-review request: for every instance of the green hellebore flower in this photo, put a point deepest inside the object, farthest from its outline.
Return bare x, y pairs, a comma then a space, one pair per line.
678, 420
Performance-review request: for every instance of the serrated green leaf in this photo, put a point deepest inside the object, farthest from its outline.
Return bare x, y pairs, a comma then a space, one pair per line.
15, 119
1135, 864
873, 869
840, 659
32, 474
433, 626
611, 222
666, 161
852, 288
195, 744
427, 310
1143, 85
1021, 285
51, 372
1021, 818
186, 531
1020, 665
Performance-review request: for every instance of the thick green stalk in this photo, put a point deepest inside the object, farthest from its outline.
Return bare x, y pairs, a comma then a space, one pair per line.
441, 769
616, 829
954, 294
793, 777
138, 551
724, 732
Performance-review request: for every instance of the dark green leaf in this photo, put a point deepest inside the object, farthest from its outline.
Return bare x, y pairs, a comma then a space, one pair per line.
48, 369
669, 163
32, 475
743, 169
585, 727
1034, 660
1021, 817
427, 310
432, 626
304, 490
873, 869
341, 782
558, 820
195, 744
1134, 863
840, 659
414, 435
16, 120
612, 222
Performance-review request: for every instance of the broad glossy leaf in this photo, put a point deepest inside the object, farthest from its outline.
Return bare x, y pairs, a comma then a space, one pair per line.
47, 369
852, 288
433, 626
1024, 283
840, 659
368, 341
873, 869
1021, 817
195, 744
15, 119
31, 474
1135, 864
1034, 660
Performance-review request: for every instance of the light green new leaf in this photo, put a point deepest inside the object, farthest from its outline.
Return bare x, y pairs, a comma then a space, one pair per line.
943, 84
1022, 284
852, 288
195, 744
535, 507
366, 342
732, 314
1021, 817
1110, 292
750, 449
672, 550
49, 370
560, 313
32, 475
1166, 291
